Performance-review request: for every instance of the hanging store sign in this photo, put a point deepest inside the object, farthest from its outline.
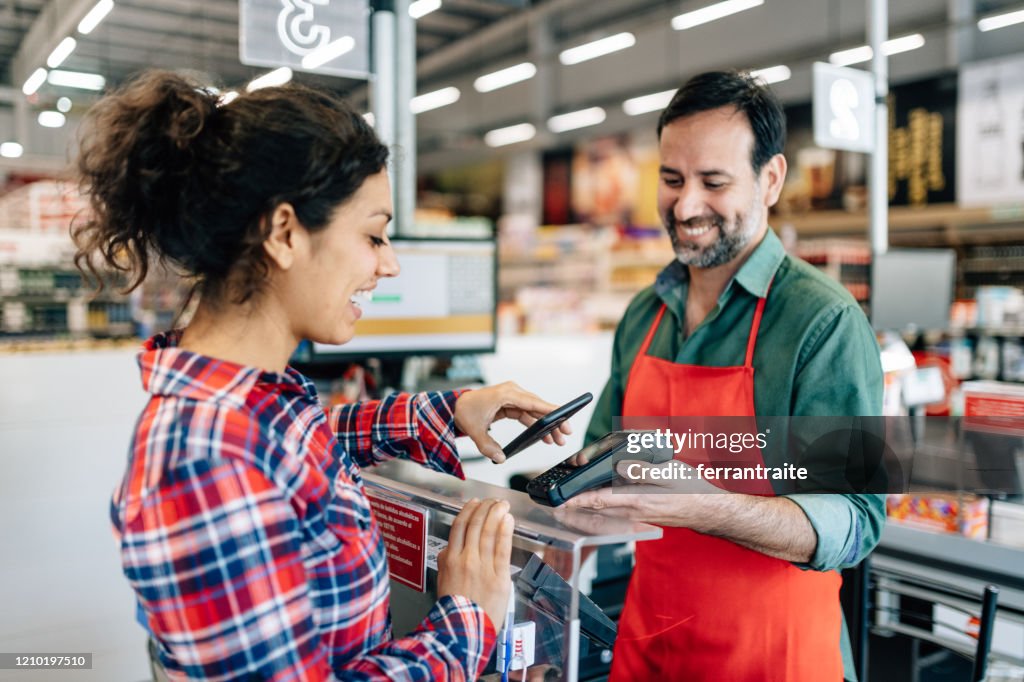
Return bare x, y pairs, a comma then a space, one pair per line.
320, 36
844, 108
990, 139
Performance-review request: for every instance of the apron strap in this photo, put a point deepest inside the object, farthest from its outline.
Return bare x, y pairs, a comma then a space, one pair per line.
755, 326
650, 332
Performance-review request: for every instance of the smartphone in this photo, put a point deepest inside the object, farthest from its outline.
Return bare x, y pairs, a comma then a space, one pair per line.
546, 424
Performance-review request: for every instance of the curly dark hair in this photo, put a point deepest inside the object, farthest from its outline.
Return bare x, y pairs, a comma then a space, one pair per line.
173, 176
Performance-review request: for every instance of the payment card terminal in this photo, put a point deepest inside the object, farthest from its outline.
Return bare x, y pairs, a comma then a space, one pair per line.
565, 480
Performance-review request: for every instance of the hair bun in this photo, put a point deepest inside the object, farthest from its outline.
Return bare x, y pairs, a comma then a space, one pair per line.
141, 151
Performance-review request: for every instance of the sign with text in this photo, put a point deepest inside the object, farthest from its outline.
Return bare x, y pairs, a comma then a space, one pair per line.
404, 527
320, 36
844, 108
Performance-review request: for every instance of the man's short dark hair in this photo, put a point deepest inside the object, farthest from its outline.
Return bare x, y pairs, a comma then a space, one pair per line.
716, 89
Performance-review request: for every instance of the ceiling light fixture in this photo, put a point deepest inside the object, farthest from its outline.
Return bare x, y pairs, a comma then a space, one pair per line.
576, 119
505, 77
500, 137
863, 53
227, 98
93, 18
77, 79
268, 80
370, 119
597, 48
712, 12
51, 119
64, 105
11, 150
328, 52
434, 100
61, 52
647, 103
421, 8
995, 21
34, 82
772, 74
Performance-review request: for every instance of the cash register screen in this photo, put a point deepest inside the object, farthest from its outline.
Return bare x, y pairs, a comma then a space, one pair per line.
442, 302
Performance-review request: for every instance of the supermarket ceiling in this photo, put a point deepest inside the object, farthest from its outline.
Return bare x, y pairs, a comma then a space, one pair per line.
464, 39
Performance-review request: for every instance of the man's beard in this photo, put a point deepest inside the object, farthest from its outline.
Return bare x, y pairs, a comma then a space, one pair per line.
729, 244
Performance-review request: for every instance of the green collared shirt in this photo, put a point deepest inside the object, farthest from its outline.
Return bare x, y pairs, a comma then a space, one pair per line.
816, 355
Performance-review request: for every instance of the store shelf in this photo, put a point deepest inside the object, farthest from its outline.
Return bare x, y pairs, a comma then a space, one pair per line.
940, 224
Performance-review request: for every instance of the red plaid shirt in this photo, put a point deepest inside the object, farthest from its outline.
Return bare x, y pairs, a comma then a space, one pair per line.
247, 536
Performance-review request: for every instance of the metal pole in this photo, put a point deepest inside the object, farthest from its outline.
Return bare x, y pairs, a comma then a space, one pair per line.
405, 153
878, 182
382, 89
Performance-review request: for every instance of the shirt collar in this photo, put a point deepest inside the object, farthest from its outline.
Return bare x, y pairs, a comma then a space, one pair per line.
755, 275
171, 371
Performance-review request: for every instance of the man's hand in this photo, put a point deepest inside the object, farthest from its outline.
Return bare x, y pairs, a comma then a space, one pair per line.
650, 498
476, 410
775, 526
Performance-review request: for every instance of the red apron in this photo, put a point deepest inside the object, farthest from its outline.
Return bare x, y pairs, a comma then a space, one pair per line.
704, 608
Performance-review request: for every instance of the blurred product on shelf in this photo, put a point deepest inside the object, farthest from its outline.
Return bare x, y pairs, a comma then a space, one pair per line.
1006, 523
573, 278
42, 298
1000, 306
46, 206
954, 513
846, 261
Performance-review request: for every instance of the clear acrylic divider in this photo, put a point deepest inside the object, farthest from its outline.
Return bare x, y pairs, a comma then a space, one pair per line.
547, 552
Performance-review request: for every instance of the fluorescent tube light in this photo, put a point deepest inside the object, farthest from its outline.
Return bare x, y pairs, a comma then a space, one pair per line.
34, 82
95, 16
421, 8
772, 74
504, 77
370, 118
647, 103
856, 55
597, 48
77, 79
510, 135
51, 119
1001, 20
268, 80
904, 44
61, 52
11, 150
712, 13
434, 100
227, 98
576, 119
331, 50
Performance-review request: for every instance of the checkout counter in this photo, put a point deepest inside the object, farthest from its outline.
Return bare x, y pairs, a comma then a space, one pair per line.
556, 626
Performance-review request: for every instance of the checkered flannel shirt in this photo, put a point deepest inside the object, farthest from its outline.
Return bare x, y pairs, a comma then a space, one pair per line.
245, 531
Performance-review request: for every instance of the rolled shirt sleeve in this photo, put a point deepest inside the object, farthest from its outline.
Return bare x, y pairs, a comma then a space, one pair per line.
415, 426
840, 374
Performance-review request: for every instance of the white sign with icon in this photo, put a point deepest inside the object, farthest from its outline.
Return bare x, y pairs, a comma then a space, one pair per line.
320, 36
844, 108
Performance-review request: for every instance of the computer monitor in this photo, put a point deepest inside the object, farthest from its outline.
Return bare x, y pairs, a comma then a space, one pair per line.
442, 303
912, 288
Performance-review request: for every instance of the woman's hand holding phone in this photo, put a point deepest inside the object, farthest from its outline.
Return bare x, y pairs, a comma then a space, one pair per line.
476, 410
